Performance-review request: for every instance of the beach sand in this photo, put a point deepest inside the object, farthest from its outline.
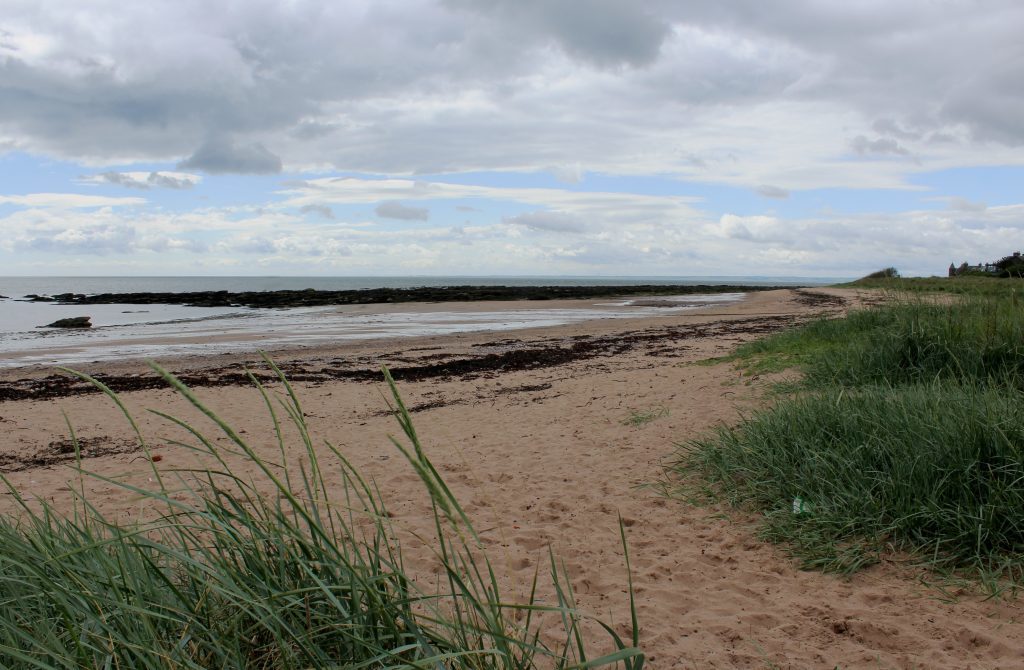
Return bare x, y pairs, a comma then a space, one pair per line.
538, 447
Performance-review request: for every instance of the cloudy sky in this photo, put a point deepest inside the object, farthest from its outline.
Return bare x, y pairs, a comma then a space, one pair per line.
509, 137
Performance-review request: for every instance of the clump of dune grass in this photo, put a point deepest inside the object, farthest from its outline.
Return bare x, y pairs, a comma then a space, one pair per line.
980, 340
904, 433
843, 474
229, 576
904, 340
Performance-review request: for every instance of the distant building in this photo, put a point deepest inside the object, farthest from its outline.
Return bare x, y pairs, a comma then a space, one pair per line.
980, 268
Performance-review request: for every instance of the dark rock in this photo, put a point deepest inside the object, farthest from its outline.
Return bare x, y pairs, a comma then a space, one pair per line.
32, 297
68, 297
72, 322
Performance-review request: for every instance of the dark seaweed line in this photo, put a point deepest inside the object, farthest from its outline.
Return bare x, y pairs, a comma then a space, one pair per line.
533, 355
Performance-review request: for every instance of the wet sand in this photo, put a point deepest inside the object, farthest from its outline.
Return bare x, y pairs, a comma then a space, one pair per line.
531, 430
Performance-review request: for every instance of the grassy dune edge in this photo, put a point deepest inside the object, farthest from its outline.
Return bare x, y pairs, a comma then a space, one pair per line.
309, 576
904, 434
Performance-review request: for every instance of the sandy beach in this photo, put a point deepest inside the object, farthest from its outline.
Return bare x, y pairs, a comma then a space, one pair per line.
531, 429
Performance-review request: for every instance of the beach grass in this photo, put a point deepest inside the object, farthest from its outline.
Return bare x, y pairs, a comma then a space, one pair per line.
642, 417
903, 434
906, 339
278, 570
845, 474
967, 285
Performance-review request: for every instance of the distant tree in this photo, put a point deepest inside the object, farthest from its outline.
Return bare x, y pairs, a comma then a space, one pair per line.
885, 273
1011, 266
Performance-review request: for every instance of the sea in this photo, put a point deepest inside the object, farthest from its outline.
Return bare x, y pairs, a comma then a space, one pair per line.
129, 331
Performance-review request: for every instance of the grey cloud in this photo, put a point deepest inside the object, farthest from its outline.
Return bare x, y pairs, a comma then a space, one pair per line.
396, 210
606, 32
941, 138
313, 130
224, 156
602, 32
145, 84
322, 210
964, 205
890, 127
916, 64
554, 222
122, 180
883, 145
155, 179
169, 181
991, 102
466, 208
695, 160
253, 245
769, 191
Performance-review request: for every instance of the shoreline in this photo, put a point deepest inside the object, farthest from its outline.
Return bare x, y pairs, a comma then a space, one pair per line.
144, 335
547, 455
340, 328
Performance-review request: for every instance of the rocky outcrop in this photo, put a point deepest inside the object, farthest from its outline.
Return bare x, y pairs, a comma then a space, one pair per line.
71, 322
314, 298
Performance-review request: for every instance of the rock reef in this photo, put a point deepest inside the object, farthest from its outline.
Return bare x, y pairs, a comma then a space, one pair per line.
316, 298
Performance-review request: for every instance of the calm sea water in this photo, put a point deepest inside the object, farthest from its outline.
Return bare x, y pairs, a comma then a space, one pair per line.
145, 331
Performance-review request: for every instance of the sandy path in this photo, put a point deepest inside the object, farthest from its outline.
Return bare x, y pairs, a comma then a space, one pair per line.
546, 456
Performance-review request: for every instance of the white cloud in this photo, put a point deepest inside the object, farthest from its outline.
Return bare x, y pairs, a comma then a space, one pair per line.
602, 206
68, 201
566, 232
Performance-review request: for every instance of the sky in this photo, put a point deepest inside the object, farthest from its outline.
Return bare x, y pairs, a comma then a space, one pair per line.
814, 138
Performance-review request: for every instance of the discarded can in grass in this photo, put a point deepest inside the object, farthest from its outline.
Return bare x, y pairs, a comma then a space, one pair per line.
800, 507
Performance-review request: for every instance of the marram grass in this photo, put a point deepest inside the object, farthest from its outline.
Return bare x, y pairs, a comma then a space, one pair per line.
905, 432
304, 578
904, 340
842, 475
